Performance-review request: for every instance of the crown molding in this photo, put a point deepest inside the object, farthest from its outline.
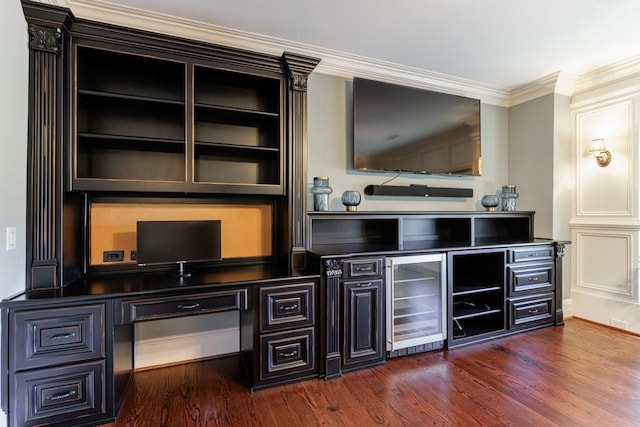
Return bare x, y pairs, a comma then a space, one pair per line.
332, 62
607, 75
557, 83
346, 65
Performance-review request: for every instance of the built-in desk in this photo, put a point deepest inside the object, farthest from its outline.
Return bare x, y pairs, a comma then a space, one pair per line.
68, 352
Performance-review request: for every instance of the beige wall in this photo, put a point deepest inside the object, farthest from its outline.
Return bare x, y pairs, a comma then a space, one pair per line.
330, 154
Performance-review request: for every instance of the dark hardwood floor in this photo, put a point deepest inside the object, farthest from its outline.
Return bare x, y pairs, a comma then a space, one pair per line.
581, 374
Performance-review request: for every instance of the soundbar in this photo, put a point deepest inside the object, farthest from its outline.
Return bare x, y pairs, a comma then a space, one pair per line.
417, 191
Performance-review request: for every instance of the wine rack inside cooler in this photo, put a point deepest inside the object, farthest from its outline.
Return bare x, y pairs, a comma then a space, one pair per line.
415, 303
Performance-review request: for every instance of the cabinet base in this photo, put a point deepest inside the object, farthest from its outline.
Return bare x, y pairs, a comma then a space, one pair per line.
438, 345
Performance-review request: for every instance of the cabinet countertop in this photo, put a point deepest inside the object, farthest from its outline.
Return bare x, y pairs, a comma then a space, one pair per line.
127, 285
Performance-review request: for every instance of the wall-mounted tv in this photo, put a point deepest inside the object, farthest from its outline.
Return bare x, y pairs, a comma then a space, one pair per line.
406, 129
178, 242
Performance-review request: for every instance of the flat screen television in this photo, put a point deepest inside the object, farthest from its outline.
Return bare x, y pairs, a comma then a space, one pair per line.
178, 242
406, 129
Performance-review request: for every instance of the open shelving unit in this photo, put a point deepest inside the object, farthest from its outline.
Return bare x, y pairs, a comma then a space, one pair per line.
337, 232
477, 295
237, 128
150, 124
131, 112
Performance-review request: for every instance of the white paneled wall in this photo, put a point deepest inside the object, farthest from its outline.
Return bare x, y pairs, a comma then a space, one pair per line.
605, 219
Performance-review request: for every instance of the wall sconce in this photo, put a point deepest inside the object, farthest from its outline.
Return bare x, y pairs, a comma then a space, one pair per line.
600, 152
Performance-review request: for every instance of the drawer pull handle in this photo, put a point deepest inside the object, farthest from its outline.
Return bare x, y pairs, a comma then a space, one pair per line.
533, 279
364, 285
534, 311
62, 336
364, 268
188, 307
533, 254
290, 354
290, 307
61, 396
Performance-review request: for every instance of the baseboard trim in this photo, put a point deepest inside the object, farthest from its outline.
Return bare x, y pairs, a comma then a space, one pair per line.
188, 347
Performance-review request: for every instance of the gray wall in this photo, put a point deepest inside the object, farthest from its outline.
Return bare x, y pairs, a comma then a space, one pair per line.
13, 146
330, 154
531, 139
13, 143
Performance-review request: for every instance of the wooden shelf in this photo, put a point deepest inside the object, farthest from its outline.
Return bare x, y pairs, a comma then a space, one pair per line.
137, 122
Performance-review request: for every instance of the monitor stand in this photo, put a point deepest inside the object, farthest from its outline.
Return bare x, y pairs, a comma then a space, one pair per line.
182, 274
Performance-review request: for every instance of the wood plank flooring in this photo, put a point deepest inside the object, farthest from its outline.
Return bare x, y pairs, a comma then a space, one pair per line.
581, 374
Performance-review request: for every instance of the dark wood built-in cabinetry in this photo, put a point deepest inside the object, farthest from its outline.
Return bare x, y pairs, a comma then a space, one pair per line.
362, 307
61, 367
284, 347
499, 278
165, 124
123, 121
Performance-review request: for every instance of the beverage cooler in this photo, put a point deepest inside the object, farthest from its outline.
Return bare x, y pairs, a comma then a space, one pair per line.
416, 303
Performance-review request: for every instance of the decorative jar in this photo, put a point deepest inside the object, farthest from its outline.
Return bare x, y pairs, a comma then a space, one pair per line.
351, 199
509, 197
321, 191
490, 202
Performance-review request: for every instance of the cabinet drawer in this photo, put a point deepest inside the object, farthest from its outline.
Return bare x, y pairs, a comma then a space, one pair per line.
530, 311
287, 353
59, 395
535, 253
364, 267
287, 306
174, 306
54, 336
533, 278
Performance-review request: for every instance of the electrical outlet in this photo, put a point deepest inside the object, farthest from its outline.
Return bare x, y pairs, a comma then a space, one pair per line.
11, 239
134, 255
617, 323
112, 256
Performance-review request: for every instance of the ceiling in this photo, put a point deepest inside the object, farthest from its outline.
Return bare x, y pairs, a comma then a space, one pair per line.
503, 43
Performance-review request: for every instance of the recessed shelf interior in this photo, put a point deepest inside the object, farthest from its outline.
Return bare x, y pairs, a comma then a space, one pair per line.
502, 229
355, 235
112, 72
430, 232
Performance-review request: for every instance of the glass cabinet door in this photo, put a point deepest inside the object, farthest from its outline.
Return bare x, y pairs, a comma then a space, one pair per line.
415, 300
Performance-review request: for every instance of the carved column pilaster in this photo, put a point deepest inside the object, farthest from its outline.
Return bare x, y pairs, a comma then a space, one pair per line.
46, 28
332, 270
298, 69
559, 257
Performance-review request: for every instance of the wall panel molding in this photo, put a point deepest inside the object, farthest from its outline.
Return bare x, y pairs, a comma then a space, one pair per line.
610, 191
606, 262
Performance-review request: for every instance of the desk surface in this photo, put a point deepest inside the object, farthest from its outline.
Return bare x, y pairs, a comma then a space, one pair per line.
128, 284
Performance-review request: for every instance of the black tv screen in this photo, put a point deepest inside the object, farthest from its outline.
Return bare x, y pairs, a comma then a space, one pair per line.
170, 242
405, 129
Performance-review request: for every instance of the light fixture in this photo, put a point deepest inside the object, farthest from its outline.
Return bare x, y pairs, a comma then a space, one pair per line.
600, 152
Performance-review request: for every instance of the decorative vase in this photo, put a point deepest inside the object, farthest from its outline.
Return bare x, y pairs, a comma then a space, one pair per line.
351, 199
490, 202
321, 191
509, 197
